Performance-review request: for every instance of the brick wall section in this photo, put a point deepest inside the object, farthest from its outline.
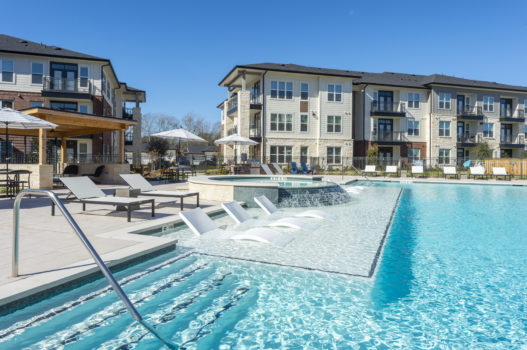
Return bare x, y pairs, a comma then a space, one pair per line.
419, 145
21, 100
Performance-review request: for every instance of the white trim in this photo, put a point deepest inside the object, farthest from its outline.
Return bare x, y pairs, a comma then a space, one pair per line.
285, 91
304, 82
327, 123
449, 101
335, 93
285, 123
413, 101
300, 123
2, 70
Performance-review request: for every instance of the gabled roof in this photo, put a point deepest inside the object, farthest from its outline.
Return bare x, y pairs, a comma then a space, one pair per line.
16, 45
455, 81
392, 79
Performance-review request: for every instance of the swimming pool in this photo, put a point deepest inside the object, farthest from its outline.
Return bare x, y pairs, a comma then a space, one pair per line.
282, 181
453, 275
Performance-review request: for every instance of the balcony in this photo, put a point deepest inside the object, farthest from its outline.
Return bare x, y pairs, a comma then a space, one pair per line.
255, 101
470, 113
255, 132
508, 141
383, 109
128, 113
469, 140
509, 117
232, 105
63, 87
232, 131
394, 138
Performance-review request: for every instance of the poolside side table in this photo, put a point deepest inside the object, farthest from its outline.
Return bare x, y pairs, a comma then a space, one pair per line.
463, 175
127, 192
403, 173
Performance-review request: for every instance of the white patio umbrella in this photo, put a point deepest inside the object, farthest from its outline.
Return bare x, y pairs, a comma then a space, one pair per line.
234, 140
180, 135
18, 120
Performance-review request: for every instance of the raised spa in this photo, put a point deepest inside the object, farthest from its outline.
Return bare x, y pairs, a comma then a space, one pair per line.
289, 191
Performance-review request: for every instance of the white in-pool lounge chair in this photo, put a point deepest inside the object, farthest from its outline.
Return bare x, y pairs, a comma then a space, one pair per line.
276, 167
137, 181
450, 171
240, 215
478, 171
270, 209
417, 170
497, 172
369, 170
87, 192
266, 169
202, 225
391, 170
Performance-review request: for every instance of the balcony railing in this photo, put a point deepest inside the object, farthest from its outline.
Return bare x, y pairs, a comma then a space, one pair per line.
128, 113
517, 116
255, 131
470, 111
255, 98
232, 104
79, 85
389, 136
518, 140
467, 138
380, 108
232, 131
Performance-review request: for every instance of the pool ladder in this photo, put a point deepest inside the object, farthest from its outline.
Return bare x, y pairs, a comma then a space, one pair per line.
100, 263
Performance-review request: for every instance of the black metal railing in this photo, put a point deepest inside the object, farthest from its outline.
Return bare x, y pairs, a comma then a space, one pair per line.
470, 110
389, 107
128, 113
232, 103
255, 130
255, 98
79, 85
388, 136
232, 131
467, 138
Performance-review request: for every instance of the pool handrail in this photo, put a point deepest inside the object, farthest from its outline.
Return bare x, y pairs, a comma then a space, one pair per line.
100, 263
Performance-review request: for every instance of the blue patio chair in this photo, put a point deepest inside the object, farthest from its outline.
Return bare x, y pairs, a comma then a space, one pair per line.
305, 169
294, 168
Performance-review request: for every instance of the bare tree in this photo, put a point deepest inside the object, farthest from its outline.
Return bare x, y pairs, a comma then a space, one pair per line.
156, 122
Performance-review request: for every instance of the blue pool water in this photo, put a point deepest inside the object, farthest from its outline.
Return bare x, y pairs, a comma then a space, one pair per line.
453, 275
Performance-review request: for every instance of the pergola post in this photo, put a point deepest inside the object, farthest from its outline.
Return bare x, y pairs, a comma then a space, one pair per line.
121, 146
42, 146
62, 151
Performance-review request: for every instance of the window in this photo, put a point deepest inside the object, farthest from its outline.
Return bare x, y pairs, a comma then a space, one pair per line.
488, 104
281, 154
444, 100
303, 122
83, 75
444, 128
334, 93
304, 91
37, 72
444, 156
281, 122
303, 154
282, 90
103, 83
488, 130
413, 100
129, 135
7, 71
33, 104
333, 154
334, 123
83, 109
413, 128
413, 155
64, 106
6, 103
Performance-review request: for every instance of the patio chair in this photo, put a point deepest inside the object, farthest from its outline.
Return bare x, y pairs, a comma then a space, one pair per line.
202, 225
137, 181
266, 169
87, 192
497, 172
305, 169
391, 170
278, 169
478, 171
240, 215
69, 170
270, 209
294, 169
369, 169
450, 171
96, 174
417, 170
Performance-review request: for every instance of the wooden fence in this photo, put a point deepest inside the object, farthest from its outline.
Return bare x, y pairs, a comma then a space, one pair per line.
514, 166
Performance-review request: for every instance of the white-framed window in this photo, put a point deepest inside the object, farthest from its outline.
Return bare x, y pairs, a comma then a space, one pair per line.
413, 155
83, 76
304, 122
83, 108
282, 90
304, 91
444, 128
281, 122
334, 92
444, 156
488, 129
34, 104
8, 71
444, 100
413, 127
281, 154
488, 104
37, 73
413, 99
334, 123
333, 154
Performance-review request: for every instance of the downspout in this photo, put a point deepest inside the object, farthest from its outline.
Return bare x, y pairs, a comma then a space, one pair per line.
429, 148
263, 116
364, 116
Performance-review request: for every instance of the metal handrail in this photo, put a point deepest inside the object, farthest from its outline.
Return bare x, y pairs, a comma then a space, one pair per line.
100, 263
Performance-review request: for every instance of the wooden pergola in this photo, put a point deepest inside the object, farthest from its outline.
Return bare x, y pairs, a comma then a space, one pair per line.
71, 124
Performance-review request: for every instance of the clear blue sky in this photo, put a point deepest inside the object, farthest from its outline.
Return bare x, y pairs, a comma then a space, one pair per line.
178, 51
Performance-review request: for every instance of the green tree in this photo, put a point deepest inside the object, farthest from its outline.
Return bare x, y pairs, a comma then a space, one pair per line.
158, 147
482, 151
372, 154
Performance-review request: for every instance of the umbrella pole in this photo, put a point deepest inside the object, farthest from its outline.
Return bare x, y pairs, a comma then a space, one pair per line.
6, 148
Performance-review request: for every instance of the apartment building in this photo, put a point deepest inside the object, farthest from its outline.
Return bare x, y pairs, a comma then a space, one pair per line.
53, 82
294, 113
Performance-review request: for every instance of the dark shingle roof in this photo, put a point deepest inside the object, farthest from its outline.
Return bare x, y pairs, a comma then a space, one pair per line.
450, 80
17, 45
392, 79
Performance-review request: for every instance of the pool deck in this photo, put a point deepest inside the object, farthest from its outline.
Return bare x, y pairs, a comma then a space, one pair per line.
51, 254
